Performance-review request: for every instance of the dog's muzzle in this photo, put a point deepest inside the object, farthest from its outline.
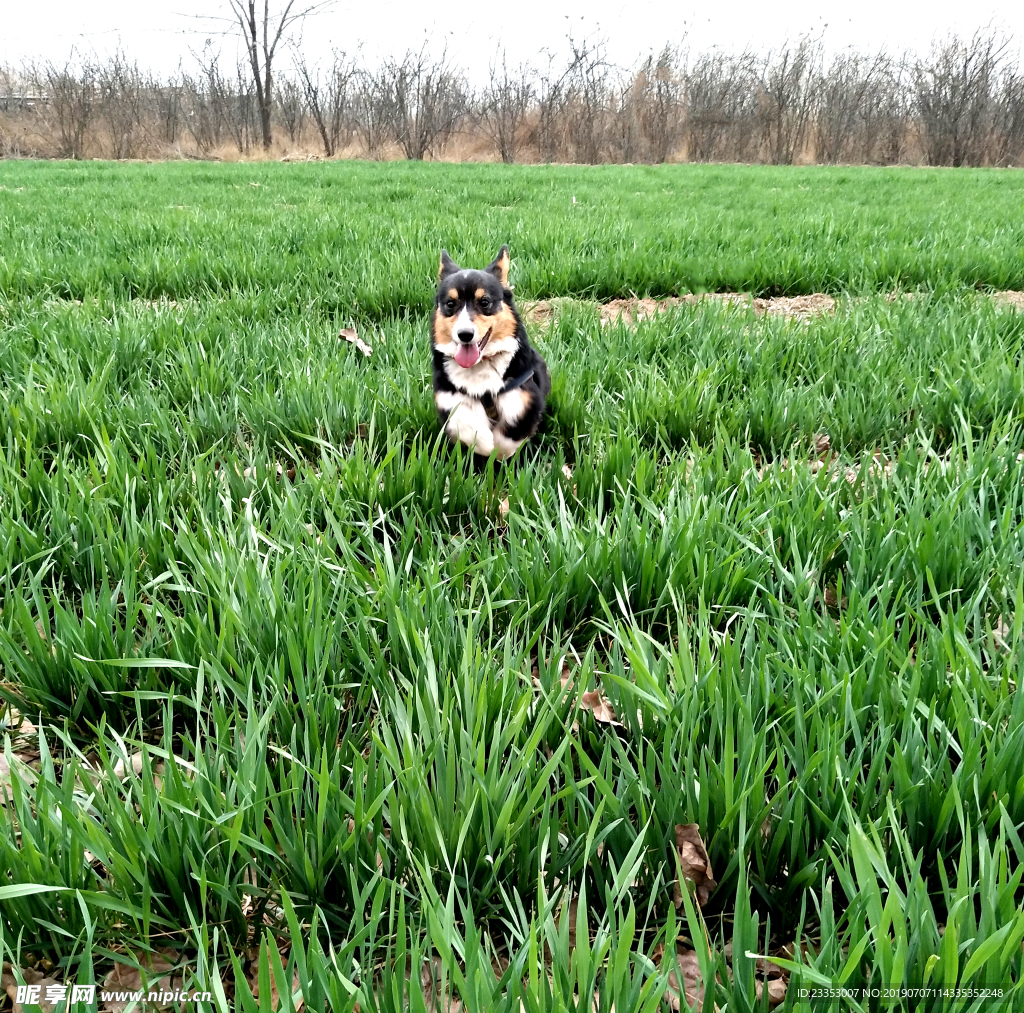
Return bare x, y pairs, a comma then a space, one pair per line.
468, 353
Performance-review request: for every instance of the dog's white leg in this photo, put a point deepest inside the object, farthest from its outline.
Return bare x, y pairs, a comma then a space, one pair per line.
504, 447
513, 405
468, 423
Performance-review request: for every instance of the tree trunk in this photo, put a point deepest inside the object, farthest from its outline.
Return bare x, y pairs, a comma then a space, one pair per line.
265, 100
265, 121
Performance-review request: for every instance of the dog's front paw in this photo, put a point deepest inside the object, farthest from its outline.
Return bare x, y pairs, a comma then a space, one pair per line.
504, 448
470, 431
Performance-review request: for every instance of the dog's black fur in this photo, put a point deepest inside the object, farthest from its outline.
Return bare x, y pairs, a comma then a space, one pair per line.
494, 398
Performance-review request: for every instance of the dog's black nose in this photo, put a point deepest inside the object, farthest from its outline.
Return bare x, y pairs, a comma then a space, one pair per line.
465, 336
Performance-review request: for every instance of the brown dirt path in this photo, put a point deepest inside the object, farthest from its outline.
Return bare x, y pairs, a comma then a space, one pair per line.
797, 307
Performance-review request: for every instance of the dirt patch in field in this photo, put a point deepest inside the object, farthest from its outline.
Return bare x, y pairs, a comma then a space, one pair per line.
1012, 299
631, 311
796, 307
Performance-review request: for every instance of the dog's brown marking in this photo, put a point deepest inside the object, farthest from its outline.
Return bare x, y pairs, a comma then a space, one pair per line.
526, 399
453, 293
480, 293
502, 323
500, 265
443, 328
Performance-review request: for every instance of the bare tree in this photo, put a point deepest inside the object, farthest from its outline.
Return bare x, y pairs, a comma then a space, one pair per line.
839, 99
574, 104
787, 100
955, 98
587, 98
424, 99
885, 119
244, 119
291, 107
262, 32
651, 109
70, 106
331, 102
550, 103
166, 106
121, 90
722, 107
962, 104
503, 108
1008, 144
373, 113
11, 93
208, 101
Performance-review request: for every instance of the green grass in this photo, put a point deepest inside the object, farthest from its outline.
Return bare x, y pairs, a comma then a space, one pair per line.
336, 671
363, 238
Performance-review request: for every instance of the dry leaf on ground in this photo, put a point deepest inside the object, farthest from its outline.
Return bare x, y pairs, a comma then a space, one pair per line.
879, 465
275, 995
694, 863
776, 991
25, 759
437, 993
770, 976
30, 977
692, 985
349, 334
26, 727
126, 978
599, 705
279, 469
773, 978
567, 908
369, 837
503, 507
249, 473
832, 599
1002, 634
135, 764
593, 700
14, 722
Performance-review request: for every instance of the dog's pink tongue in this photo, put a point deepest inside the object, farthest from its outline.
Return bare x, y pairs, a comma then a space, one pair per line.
467, 355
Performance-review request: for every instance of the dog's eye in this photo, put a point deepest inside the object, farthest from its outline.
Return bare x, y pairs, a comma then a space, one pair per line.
450, 304
485, 304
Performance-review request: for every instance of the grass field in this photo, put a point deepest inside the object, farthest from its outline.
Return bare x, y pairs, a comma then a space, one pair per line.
291, 671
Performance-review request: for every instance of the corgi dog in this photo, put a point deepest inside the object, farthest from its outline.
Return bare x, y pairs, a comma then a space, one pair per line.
490, 383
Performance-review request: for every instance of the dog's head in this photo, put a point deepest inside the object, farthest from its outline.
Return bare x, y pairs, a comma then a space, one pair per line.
474, 316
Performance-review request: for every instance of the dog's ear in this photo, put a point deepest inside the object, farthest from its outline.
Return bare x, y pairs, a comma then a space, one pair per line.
447, 267
499, 266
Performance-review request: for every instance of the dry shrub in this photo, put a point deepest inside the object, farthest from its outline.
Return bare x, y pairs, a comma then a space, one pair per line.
961, 104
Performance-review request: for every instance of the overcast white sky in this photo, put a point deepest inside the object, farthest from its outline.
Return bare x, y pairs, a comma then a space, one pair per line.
161, 34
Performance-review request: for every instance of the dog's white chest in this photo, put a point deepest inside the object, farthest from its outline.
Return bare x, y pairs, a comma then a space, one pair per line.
485, 377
